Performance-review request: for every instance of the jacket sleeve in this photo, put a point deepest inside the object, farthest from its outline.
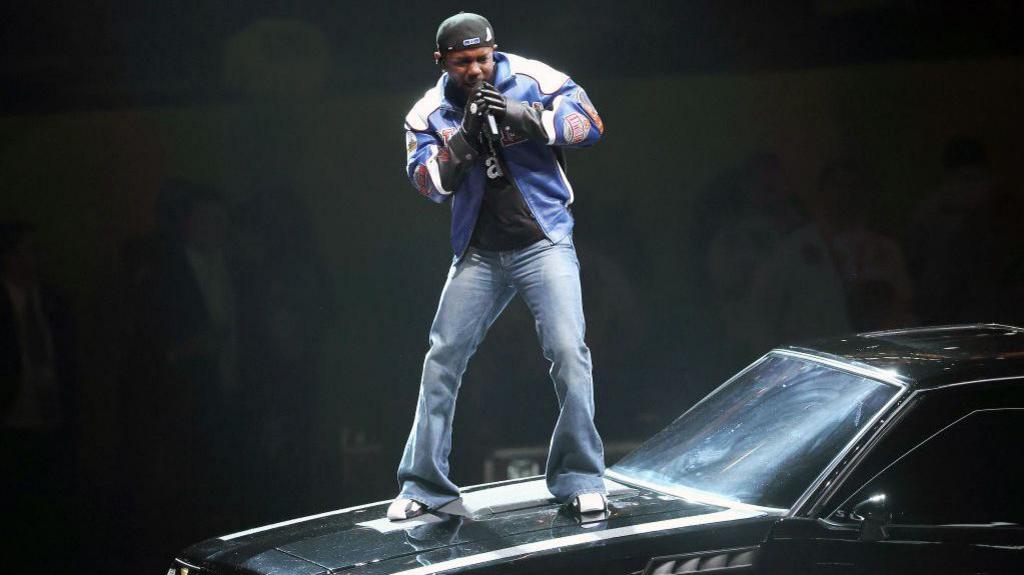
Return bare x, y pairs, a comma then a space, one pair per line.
437, 169
570, 119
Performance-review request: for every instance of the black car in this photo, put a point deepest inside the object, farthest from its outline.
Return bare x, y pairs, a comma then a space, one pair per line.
893, 451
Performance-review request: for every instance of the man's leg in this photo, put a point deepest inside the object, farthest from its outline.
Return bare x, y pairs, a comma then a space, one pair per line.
547, 277
475, 294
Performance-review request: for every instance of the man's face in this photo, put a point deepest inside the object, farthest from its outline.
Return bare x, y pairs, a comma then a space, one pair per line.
467, 68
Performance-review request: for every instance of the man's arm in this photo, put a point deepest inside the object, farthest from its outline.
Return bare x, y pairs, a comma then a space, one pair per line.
437, 169
570, 120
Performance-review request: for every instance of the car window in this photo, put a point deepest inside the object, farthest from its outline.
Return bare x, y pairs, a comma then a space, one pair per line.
765, 436
924, 414
967, 473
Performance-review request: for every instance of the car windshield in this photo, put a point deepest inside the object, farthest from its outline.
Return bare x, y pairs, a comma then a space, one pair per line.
762, 438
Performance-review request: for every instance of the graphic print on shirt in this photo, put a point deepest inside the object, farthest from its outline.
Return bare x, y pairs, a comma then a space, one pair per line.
493, 168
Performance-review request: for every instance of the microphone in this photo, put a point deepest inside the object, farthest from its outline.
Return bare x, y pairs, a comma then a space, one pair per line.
494, 126
495, 134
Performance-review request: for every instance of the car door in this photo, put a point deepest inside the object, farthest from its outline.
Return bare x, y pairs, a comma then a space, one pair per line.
941, 492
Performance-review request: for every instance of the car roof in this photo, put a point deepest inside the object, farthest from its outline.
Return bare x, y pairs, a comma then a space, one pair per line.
930, 356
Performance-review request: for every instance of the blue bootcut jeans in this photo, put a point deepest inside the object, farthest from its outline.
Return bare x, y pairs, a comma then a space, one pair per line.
478, 288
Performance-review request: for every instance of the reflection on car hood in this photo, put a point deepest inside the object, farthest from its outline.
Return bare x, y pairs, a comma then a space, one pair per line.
488, 524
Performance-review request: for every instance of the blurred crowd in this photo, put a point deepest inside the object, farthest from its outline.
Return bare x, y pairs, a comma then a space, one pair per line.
219, 317
783, 266
225, 310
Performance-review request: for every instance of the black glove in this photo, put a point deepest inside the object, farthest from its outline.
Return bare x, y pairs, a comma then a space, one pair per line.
516, 115
464, 147
473, 118
496, 103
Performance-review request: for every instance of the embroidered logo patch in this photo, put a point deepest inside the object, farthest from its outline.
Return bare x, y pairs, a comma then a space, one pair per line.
575, 128
471, 41
510, 137
410, 142
584, 101
422, 180
447, 133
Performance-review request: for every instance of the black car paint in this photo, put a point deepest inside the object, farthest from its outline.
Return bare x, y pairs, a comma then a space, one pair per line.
338, 543
817, 547
925, 359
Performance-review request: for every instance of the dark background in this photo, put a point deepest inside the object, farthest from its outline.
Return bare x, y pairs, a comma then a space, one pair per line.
770, 172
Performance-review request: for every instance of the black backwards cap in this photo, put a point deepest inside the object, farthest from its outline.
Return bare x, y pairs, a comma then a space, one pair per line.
464, 31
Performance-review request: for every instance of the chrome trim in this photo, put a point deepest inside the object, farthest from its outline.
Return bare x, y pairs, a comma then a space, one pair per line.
695, 495
299, 520
187, 564
938, 328
974, 381
1006, 326
854, 368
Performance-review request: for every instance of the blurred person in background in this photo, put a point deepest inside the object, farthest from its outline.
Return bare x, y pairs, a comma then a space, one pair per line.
870, 264
746, 217
972, 268
950, 239
37, 400
794, 290
188, 411
288, 307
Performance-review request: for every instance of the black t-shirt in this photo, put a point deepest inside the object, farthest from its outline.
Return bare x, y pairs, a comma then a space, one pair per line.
505, 221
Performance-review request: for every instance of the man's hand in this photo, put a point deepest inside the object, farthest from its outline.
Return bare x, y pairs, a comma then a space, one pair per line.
473, 117
522, 119
496, 103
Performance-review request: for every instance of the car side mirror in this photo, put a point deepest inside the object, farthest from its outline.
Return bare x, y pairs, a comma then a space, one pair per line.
873, 516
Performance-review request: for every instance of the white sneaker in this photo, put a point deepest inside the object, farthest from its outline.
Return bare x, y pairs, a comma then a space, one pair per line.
401, 509
586, 503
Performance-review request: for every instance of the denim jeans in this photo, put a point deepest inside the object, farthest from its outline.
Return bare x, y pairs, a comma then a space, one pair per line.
478, 288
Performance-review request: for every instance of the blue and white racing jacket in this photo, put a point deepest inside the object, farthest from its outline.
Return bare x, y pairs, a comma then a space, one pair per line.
567, 118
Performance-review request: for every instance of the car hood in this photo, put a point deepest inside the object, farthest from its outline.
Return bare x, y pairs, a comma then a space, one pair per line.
489, 523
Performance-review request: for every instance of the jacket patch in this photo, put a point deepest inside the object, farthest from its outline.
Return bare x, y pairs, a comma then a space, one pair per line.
447, 133
584, 101
510, 137
410, 142
575, 128
422, 178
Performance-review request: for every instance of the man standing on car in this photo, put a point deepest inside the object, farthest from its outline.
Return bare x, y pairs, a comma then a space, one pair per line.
488, 137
